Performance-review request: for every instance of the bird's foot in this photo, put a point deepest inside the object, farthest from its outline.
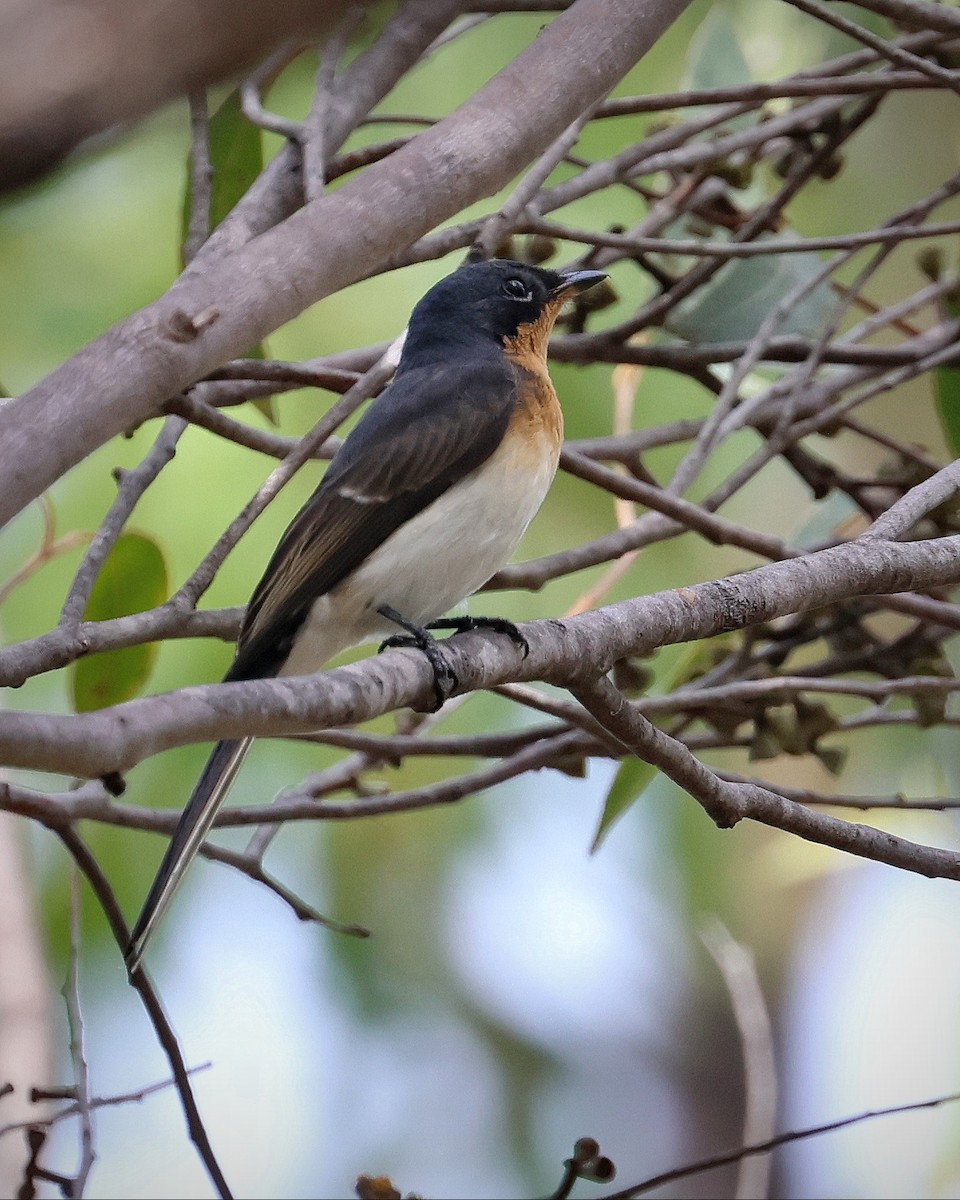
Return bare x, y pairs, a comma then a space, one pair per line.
444, 677
497, 624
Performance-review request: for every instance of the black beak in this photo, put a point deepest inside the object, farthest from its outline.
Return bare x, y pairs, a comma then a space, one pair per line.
575, 282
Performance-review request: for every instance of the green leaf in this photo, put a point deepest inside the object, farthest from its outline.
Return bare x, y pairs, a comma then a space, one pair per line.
733, 305
834, 758
266, 407
948, 396
629, 783
948, 405
673, 665
236, 159
265, 404
133, 579
715, 57
826, 519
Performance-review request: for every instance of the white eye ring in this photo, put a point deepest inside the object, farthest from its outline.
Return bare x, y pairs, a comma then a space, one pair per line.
516, 289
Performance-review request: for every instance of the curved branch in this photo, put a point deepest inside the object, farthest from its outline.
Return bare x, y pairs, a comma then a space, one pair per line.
727, 803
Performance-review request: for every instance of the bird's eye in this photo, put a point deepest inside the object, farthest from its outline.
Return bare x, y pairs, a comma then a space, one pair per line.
516, 289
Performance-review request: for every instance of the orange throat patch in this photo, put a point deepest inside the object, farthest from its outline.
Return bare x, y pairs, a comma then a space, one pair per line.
538, 417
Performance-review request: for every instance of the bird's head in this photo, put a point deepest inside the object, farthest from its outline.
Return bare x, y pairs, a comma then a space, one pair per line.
496, 300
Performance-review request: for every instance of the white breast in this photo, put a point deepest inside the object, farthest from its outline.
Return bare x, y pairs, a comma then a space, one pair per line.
438, 558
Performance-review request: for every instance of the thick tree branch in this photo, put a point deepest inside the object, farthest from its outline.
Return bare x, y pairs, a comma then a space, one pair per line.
218, 310
68, 71
92, 744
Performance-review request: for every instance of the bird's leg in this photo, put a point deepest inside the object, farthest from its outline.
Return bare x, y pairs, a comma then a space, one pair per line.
497, 624
444, 678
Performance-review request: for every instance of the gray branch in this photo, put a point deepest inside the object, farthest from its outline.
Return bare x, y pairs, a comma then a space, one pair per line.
561, 652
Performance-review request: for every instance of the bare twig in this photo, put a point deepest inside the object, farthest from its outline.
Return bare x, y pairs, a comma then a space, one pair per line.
896, 54
201, 175
50, 546
313, 132
142, 983
782, 1139
132, 486
497, 227
253, 87
81, 1072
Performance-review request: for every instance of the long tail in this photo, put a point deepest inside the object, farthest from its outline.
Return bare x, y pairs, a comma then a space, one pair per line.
194, 825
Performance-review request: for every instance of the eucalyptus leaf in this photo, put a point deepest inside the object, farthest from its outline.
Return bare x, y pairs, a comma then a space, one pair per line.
235, 148
265, 405
741, 295
948, 396
715, 57
630, 782
133, 579
674, 665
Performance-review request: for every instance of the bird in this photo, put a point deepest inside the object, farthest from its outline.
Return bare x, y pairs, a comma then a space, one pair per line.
424, 501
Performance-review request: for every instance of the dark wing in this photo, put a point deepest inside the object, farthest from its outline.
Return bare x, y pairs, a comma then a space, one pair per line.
430, 428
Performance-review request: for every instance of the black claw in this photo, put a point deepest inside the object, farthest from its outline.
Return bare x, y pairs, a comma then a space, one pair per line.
398, 639
497, 624
444, 677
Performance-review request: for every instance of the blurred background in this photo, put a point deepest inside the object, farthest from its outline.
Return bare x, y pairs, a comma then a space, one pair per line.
517, 992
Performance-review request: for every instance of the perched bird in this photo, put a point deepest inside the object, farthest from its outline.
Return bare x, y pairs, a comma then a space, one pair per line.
424, 501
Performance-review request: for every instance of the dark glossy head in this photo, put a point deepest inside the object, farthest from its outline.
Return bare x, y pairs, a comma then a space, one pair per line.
491, 300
